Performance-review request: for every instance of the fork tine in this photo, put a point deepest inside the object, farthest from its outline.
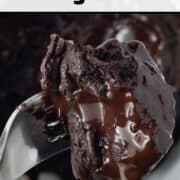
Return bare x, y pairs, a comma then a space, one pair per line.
24, 144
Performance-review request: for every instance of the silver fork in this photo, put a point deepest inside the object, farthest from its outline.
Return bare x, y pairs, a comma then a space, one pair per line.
23, 143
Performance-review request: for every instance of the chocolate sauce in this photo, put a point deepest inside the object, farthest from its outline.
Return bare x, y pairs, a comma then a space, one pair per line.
61, 104
126, 140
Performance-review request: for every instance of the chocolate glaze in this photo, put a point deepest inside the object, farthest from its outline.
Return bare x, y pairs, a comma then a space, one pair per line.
125, 140
114, 94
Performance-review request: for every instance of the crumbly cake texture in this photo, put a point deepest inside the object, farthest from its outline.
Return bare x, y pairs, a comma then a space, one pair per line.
119, 109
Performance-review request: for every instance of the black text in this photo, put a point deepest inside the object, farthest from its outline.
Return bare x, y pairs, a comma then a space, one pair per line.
79, 1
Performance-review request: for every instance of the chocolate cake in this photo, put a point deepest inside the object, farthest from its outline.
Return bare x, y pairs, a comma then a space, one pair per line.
111, 97
24, 40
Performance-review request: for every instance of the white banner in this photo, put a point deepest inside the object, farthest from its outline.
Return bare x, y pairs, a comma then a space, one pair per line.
89, 5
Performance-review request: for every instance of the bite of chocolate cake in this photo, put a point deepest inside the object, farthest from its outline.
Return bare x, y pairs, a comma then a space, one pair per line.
119, 109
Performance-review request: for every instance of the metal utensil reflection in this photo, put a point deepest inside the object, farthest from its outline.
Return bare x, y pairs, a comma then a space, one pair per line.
169, 167
23, 143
